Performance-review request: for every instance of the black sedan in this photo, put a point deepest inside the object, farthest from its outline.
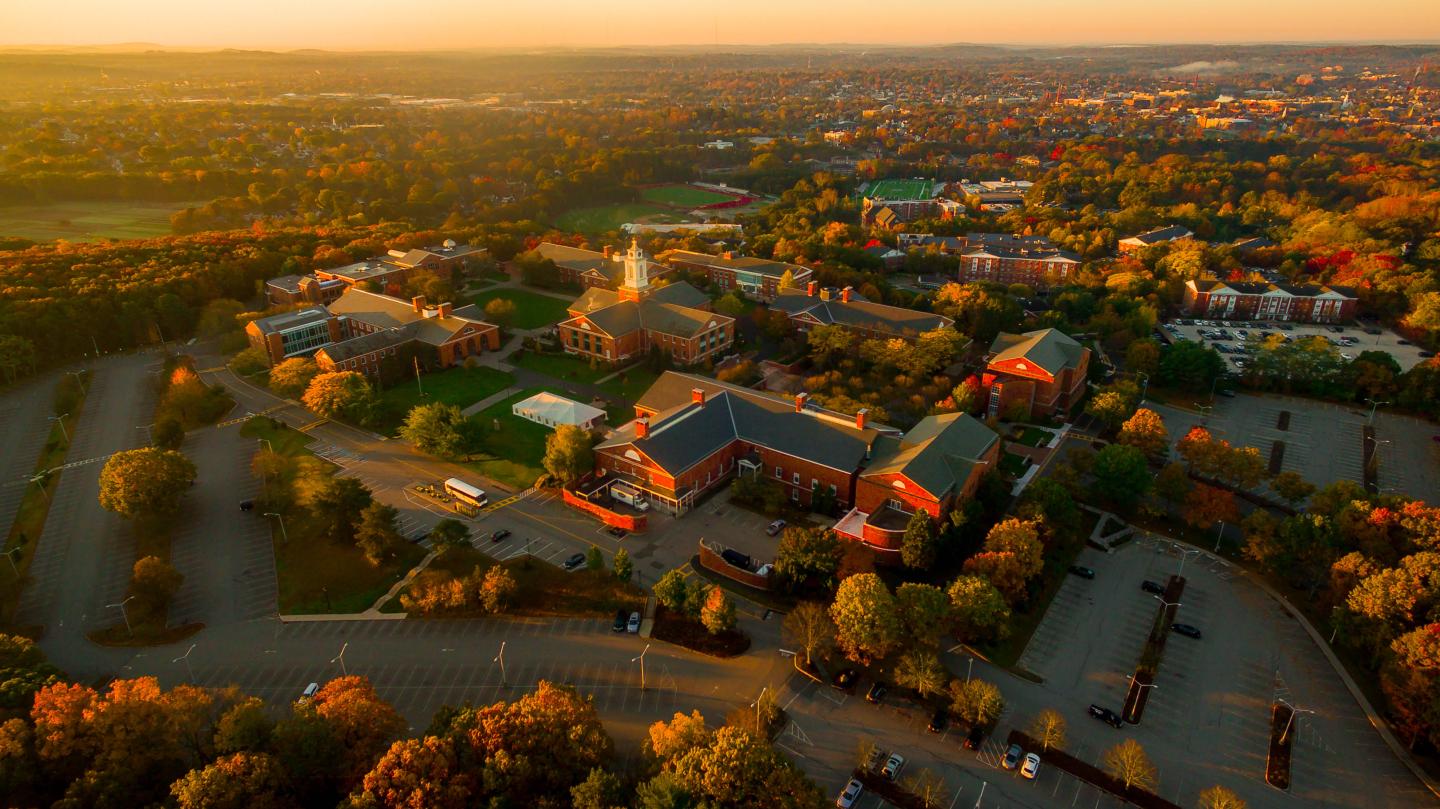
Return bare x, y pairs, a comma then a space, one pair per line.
1152, 587
575, 561
1082, 571
620, 617
845, 679
1105, 715
1186, 630
938, 720
500, 535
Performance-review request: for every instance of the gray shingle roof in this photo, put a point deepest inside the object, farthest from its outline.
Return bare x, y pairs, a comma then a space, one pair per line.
291, 320
938, 453
366, 343
385, 312
1050, 349
860, 313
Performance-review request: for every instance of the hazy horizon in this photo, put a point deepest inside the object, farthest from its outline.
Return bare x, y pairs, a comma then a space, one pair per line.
431, 25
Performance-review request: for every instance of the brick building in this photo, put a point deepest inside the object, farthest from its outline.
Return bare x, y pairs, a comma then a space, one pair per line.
933, 467
816, 306
756, 277
1035, 266
293, 334
614, 326
1259, 300
387, 273
589, 269
1045, 369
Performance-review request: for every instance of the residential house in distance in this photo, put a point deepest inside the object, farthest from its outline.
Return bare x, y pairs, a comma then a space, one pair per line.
756, 277
293, 334
588, 268
614, 326
815, 306
1044, 369
933, 467
1259, 300
1173, 233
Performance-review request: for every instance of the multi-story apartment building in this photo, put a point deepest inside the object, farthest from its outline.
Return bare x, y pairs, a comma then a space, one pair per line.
614, 326
1018, 262
1259, 300
817, 306
1044, 369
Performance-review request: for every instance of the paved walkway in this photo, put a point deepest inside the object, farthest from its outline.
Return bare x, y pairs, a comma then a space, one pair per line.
492, 399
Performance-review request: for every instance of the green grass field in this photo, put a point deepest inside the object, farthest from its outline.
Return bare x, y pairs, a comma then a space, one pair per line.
682, 196
516, 449
461, 387
900, 189
562, 366
89, 221
605, 218
532, 310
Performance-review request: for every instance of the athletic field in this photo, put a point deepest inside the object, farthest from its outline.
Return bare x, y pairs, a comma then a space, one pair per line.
605, 218
89, 221
900, 189
682, 196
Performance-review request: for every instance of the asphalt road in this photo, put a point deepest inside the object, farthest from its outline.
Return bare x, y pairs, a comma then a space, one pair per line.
24, 426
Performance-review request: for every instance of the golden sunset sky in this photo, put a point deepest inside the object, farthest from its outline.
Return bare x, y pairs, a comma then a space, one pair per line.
443, 24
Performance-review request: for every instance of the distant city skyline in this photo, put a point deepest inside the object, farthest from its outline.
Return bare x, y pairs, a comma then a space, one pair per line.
455, 24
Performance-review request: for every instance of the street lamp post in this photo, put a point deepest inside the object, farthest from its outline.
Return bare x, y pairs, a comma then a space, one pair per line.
1204, 412
1219, 535
10, 555
60, 419
1144, 384
1373, 404
340, 658
500, 658
1143, 686
983, 784
284, 535
1288, 722
1184, 555
757, 708
641, 658
124, 613
1175, 604
186, 657
79, 379
969, 668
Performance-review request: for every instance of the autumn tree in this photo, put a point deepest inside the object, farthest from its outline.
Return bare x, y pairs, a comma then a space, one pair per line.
437, 429
809, 626
339, 501
718, 614
967, 395
23, 671
1411, 682
978, 611
1128, 762
498, 589
1110, 408
235, 781
1292, 487
569, 454
1173, 484
1145, 431
808, 553
145, 482
291, 377
376, 534
867, 621
501, 312
621, 565
976, 701
362, 725
154, 582
920, 545
1207, 505
599, 790
1048, 728
736, 768
413, 773
1011, 556
448, 534
1121, 475
1143, 357
339, 394
924, 612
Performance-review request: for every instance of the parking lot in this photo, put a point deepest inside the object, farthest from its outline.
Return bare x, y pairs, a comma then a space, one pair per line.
1235, 333
1206, 720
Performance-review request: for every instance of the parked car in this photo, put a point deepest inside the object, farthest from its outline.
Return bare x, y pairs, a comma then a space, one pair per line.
893, 766
850, 794
619, 625
1082, 571
1106, 715
1031, 767
974, 738
938, 720
1012, 757
876, 694
1426, 354
1226, 392
575, 561
1186, 630
310, 691
246, 505
872, 761
775, 527
845, 679
616, 531
1152, 587
500, 535
633, 625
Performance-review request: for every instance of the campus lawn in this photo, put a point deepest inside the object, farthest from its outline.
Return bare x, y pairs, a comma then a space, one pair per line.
532, 310
562, 366
1034, 437
283, 439
310, 567
513, 453
1014, 465
605, 218
682, 196
629, 384
461, 387
89, 221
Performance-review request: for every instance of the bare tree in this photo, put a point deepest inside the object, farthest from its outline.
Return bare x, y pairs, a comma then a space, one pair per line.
1128, 762
928, 787
1218, 797
809, 627
1048, 728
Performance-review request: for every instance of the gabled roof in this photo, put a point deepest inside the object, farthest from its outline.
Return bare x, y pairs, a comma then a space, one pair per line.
385, 312
939, 453
683, 433
1165, 234
859, 313
366, 343
1218, 287
577, 259
669, 309
1051, 350
759, 266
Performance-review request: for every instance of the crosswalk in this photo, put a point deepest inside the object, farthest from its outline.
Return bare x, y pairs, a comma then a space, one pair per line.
242, 419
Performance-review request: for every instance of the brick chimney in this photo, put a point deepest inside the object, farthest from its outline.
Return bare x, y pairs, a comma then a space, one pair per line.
811, 287
845, 294
419, 303
642, 428
697, 395
608, 251
825, 293
728, 255
444, 309
800, 400
860, 418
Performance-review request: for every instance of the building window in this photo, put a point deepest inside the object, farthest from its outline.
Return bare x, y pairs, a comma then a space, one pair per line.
779, 473
795, 479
